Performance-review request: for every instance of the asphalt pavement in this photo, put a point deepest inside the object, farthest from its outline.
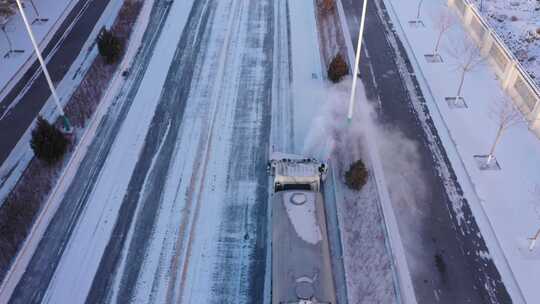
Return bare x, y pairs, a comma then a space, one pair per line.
444, 266
31, 91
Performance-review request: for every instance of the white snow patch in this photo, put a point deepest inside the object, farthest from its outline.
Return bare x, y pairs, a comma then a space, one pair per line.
303, 216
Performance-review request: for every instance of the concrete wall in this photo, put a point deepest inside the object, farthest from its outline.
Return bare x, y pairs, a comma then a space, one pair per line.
514, 80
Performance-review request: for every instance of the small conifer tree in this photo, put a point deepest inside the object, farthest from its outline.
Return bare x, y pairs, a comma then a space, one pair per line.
109, 46
357, 175
337, 69
327, 5
48, 142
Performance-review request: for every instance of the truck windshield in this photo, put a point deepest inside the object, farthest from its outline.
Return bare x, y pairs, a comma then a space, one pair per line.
305, 187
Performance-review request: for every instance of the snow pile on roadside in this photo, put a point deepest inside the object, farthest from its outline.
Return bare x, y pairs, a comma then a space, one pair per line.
517, 22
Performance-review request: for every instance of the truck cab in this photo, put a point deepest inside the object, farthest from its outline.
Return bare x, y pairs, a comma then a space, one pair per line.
294, 172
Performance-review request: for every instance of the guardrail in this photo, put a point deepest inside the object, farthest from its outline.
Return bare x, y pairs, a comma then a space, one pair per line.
515, 81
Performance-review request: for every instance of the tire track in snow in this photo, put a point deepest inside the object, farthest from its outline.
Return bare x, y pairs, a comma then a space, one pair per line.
282, 132
170, 251
228, 52
145, 190
242, 238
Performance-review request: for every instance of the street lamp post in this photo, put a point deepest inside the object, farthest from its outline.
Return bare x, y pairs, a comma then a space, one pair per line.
67, 125
419, 9
356, 62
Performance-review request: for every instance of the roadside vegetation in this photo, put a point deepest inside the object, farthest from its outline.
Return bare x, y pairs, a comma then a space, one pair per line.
337, 69
357, 175
48, 142
327, 5
109, 46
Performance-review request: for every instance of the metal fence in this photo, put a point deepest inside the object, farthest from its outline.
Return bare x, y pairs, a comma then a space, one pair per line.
515, 80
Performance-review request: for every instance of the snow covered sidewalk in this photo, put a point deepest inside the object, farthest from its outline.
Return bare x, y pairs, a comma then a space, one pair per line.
504, 202
14, 64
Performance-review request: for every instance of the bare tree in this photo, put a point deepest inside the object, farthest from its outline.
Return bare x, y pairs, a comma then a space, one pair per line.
536, 200
38, 19
533, 240
443, 21
11, 50
7, 9
536, 206
505, 113
467, 57
34, 7
419, 9
3, 29
417, 21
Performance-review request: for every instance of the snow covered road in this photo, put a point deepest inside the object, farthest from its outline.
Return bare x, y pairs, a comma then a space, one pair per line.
170, 202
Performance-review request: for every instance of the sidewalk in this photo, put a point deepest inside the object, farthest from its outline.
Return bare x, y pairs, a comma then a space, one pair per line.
504, 202
14, 65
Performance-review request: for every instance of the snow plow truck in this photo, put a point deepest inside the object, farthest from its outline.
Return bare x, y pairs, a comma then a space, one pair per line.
301, 265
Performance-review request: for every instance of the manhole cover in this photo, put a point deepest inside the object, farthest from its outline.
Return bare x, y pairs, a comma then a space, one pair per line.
304, 290
298, 198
